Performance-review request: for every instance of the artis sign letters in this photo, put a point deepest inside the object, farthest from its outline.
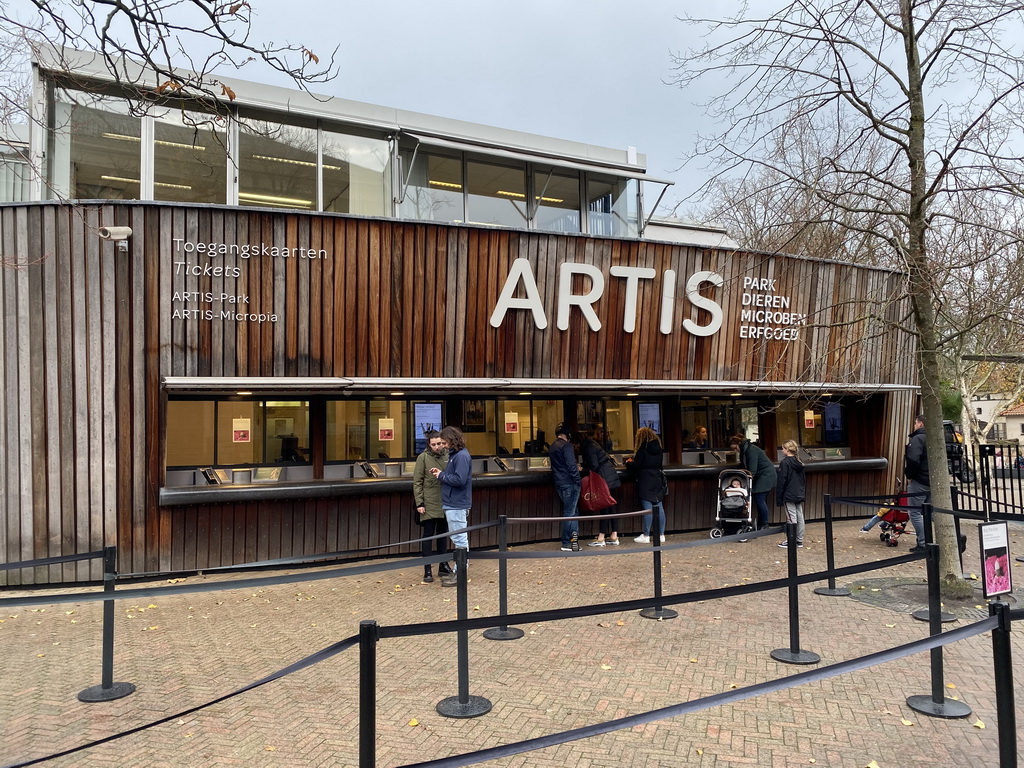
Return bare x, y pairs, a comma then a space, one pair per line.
521, 279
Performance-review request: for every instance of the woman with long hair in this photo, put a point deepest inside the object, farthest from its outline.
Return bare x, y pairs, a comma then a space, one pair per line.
456, 490
648, 458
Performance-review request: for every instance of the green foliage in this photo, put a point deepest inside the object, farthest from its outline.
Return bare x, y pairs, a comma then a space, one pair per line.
952, 402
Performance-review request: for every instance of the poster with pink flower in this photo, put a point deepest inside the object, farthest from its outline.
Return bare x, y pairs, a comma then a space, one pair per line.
995, 559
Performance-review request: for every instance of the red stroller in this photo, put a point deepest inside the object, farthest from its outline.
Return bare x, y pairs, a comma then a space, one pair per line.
894, 522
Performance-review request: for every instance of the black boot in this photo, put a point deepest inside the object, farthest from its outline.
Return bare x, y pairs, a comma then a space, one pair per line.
428, 577
444, 569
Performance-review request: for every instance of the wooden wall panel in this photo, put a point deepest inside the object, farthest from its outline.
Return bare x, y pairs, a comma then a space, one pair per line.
88, 336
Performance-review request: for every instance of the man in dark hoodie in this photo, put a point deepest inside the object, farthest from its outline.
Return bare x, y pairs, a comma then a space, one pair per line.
566, 474
915, 467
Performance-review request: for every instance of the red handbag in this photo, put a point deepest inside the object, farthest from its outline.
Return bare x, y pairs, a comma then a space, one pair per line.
594, 493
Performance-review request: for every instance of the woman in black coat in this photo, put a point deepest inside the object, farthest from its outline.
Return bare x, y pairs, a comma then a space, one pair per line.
646, 467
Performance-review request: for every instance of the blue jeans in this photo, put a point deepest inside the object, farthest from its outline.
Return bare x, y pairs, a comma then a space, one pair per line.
648, 519
915, 513
761, 502
570, 495
457, 519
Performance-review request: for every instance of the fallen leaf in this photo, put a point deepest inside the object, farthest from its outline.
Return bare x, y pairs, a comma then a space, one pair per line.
692, 661
604, 624
872, 764
812, 760
605, 585
699, 751
620, 622
979, 725
477, 607
269, 748
950, 685
414, 722
732, 685
41, 655
873, 589
890, 626
605, 666
904, 721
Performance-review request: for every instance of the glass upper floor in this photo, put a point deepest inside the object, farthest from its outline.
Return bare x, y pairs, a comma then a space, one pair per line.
271, 149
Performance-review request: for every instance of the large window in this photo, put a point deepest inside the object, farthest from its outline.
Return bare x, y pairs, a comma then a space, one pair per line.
496, 194
276, 165
557, 197
612, 206
190, 157
356, 174
95, 151
434, 189
237, 432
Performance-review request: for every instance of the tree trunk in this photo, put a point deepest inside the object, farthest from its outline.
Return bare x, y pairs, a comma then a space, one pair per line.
922, 288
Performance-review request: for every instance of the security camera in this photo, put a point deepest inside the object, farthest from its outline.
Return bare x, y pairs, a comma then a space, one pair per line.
115, 233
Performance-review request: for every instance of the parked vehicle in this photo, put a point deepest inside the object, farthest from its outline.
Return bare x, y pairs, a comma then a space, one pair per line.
957, 455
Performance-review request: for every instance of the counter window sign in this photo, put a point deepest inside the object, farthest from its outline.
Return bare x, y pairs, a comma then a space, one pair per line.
995, 559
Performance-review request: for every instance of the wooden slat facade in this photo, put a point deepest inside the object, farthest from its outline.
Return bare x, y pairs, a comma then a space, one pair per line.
88, 336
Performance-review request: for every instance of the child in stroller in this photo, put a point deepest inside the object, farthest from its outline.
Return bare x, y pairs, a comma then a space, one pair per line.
733, 503
891, 520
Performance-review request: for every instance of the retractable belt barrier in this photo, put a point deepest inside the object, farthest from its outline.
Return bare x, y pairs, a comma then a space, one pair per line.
51, 560
463, 625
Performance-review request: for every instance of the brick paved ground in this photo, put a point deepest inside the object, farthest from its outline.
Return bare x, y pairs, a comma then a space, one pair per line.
182, 651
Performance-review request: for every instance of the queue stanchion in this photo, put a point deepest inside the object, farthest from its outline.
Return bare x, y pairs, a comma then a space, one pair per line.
830, 555
107, 690
463, 705
367, 694
794, 654
504, 632
936, 705
934, 597
657, 612
1002, 661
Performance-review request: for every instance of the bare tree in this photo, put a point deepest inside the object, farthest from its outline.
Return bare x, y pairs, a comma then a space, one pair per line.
921, 100
145, 42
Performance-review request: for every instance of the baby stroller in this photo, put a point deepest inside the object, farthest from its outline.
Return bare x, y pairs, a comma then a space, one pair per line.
733, 513
894, 522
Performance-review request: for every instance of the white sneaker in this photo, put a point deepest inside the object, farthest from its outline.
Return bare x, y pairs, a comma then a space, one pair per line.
613, 542
596, 544
662, 539
642, 539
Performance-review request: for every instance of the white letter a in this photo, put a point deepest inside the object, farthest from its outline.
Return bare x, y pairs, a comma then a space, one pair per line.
520, 272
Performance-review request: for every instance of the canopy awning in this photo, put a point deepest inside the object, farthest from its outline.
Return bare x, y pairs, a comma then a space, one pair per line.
376, 385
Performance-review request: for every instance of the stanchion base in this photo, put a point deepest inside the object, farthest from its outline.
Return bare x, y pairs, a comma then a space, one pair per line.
832, 591
473, 707
99, 693
926, 705
786, 656
659, 613
503, 633
924, 615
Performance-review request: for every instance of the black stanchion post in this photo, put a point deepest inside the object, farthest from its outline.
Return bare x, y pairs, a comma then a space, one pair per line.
793, 654
830, 556
657, 612
934, 598
936, 704
987, 455
107, 690
954, 498
503, 632
1002, 660
463, 705
367, 694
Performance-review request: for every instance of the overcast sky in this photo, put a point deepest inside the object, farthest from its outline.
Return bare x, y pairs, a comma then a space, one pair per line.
587, 70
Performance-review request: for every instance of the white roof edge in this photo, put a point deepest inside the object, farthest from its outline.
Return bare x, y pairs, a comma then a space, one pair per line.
90, 65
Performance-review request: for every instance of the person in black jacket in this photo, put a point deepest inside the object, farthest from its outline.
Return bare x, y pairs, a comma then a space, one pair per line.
790, 489
919, 491
593, 457
646, 468
566, 474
